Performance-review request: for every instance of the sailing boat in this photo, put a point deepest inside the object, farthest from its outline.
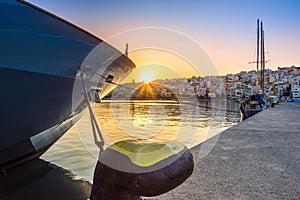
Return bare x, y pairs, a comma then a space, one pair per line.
255, 103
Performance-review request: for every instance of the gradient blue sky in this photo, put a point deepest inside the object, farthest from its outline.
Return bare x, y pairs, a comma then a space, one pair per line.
226, 29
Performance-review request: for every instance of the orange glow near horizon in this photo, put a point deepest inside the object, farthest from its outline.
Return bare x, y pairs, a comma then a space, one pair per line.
155, 64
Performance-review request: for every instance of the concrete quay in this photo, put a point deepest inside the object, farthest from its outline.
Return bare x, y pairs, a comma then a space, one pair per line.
258, 158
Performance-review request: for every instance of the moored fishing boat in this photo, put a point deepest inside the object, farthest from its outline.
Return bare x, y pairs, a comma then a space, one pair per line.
251, 106
296, 93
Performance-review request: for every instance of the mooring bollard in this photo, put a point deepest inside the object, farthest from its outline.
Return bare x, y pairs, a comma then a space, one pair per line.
134, 168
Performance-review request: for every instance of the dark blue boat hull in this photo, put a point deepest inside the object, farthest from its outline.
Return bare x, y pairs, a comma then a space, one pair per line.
40, 55
31, 103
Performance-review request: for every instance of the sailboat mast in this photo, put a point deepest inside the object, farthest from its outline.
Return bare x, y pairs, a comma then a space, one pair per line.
261, 56
257, 54
262, 52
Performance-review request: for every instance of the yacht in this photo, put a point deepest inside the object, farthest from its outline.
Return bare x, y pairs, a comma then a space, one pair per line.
47, 67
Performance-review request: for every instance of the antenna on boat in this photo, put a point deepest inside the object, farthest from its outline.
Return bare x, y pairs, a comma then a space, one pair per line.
126, 50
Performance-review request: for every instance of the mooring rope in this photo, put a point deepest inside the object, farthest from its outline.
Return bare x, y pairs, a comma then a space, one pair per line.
95, 126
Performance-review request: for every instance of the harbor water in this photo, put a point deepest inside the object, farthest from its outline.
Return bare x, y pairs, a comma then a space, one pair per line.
160, 120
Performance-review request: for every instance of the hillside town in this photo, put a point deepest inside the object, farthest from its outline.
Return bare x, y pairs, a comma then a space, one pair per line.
283, 83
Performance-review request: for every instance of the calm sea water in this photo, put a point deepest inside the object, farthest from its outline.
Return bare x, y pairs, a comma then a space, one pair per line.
187, 122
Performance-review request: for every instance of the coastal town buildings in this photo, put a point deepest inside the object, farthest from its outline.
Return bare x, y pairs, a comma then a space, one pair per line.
231, 86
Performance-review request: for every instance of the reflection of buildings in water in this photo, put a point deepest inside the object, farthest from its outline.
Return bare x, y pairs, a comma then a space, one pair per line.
173, 110
147, 109
218, 113
232, 111
205, 106
132, 110
204, 114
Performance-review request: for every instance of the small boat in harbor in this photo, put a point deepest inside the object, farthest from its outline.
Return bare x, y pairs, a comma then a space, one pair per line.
251, 106
43, 62
204, 98
296, 93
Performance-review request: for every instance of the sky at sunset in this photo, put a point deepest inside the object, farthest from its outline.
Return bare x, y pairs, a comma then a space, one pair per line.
180, 38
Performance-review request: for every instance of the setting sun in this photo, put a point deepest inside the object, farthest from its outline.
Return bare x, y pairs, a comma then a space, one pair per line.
151, 72
146, 77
